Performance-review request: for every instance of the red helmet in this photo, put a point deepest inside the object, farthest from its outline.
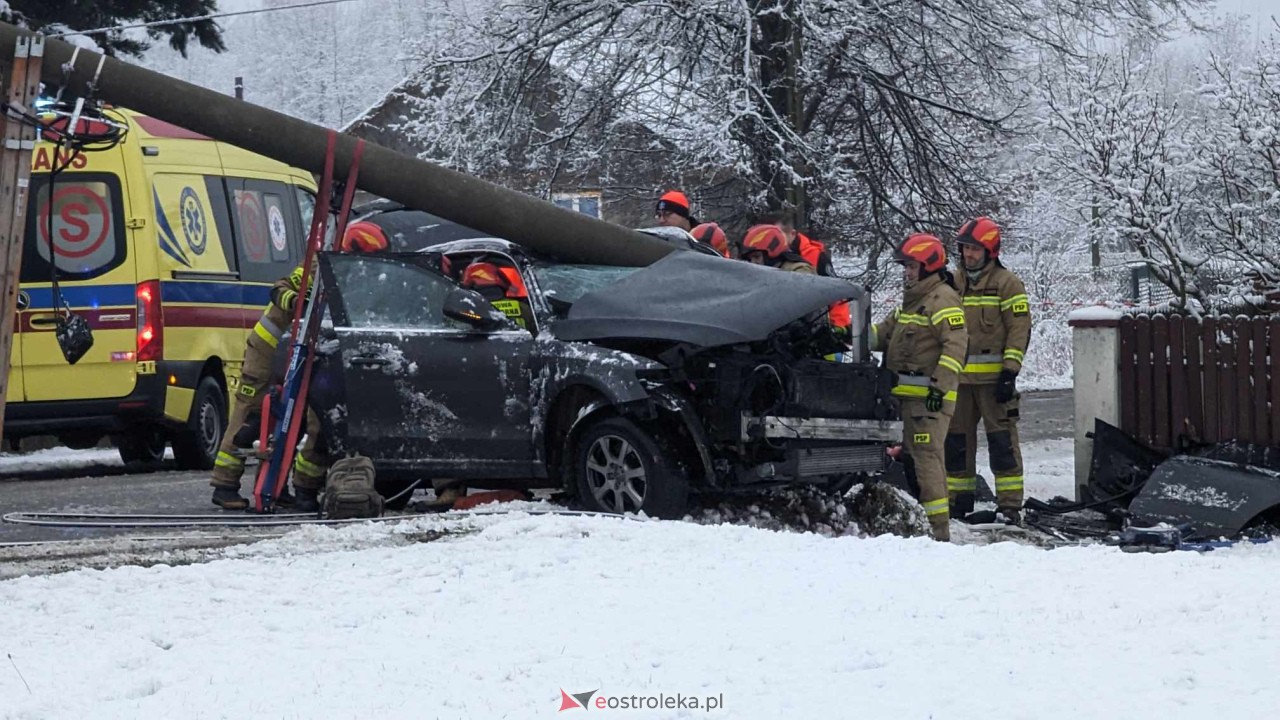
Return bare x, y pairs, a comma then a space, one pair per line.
481, 274
768, 239
924, 249
711, 234
364, 236
484, 274
674, 201
981, 232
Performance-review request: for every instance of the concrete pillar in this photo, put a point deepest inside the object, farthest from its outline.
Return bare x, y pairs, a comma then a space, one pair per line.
1095, 344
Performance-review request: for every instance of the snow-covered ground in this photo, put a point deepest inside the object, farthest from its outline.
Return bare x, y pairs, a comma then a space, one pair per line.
61, 457
495, 616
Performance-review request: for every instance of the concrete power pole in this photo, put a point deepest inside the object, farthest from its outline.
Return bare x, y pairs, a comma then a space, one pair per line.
540, 225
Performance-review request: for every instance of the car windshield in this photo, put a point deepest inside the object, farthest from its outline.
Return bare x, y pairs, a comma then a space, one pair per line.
567, 283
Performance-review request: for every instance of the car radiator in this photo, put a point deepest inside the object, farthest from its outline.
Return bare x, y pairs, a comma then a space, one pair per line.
847, 459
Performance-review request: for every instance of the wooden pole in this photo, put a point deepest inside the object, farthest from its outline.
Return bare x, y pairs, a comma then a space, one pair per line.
15, 173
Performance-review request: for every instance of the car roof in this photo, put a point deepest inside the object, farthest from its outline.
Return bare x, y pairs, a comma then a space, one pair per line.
482, 244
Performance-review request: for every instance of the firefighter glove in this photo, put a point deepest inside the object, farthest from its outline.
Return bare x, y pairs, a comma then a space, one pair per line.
933, 401
1006, 390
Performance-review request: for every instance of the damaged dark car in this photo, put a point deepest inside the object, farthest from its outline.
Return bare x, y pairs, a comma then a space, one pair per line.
629, 388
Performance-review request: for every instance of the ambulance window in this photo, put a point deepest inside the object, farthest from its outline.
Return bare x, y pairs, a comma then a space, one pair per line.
306, 206
220, 209
88, 231
267, 230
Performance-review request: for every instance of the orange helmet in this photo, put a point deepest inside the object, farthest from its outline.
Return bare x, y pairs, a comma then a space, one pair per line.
924, 249
981, 232
676, 202
364, 236
484, 274
768, 239
481, 274
711, 234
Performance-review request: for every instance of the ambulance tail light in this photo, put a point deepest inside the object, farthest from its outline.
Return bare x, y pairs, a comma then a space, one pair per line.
150, 322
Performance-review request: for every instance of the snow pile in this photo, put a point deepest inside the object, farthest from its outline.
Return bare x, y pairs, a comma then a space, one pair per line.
58, 457
398, 622
874, 509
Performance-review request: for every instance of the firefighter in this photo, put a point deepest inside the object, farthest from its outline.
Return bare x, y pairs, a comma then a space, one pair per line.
998, 316
310, 464
673, 210
502, 286
924, 342
815, 253
767, 245
711, 234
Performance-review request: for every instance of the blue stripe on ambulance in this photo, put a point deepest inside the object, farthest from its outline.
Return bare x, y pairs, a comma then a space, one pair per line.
168, 242
98, 296
215, 293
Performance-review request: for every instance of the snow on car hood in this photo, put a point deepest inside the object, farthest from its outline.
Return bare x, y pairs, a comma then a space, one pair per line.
700, 299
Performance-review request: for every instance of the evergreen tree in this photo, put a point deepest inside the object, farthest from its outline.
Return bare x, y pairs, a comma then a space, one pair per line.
54, 16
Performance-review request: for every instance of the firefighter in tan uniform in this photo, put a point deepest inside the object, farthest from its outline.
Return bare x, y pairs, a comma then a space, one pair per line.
998, 316
311, 463
924, 342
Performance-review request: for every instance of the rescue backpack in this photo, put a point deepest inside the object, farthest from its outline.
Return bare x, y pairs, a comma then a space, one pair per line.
350, 491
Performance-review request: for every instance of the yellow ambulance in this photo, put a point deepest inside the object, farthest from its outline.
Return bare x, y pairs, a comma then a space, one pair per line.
167, 244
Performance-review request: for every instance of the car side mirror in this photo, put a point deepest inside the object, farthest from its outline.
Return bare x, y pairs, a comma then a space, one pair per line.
470, 307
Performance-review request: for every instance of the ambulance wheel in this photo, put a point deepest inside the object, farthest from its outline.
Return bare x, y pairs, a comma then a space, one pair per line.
145, 446
622, 468
195, 446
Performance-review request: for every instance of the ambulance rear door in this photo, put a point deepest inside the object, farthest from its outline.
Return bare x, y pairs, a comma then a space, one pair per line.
86, 212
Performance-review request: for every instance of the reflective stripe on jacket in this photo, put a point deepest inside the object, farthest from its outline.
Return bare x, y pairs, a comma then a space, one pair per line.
924, 340
998, 316
278, 315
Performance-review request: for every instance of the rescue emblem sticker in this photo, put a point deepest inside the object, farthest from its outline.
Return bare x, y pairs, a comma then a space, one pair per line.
1021, 308
275, 223
194, 229
956, 320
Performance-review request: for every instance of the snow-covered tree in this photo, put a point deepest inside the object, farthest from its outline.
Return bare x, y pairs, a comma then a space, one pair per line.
1125, 142
1176, 155
866, 117
1240, 161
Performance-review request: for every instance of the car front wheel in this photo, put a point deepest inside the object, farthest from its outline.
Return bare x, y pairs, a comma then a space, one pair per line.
621, 468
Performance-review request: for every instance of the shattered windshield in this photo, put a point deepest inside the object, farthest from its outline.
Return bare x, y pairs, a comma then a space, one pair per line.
567, 283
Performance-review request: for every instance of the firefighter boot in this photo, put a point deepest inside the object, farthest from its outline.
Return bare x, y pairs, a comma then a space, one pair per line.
286, 498
941, 525
1011, 515
306, 500
228, 498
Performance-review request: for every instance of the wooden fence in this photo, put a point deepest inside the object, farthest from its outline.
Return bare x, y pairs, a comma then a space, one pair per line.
1186, 381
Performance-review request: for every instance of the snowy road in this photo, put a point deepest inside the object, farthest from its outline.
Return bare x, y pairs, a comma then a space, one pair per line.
95, 480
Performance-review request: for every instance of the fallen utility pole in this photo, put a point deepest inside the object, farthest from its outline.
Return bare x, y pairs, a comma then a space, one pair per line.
15, 171
520, 218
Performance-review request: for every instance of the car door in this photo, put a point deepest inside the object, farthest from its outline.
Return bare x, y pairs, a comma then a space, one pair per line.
423, 391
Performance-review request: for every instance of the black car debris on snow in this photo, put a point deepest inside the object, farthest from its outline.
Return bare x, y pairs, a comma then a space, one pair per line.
631, 388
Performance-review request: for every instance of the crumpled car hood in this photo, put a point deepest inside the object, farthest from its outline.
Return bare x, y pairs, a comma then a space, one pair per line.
702, 300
